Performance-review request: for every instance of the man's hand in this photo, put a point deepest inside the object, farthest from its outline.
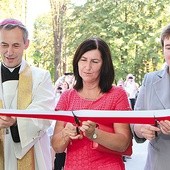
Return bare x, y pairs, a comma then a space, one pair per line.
146, 131
7, 121
165, 126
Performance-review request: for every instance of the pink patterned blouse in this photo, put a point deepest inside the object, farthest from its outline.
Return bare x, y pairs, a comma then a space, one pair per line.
80, 154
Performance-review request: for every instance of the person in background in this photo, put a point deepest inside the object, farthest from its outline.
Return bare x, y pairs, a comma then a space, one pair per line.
120, 83
131, 88
154, 94
69, 78
24, 143
64, 86
63, 83
94, 74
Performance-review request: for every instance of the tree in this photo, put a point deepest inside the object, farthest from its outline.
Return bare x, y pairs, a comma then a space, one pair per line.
131, 28
58, 10
41, 47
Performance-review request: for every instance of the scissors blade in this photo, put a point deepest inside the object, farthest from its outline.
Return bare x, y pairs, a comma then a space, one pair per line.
76, 119
77, 123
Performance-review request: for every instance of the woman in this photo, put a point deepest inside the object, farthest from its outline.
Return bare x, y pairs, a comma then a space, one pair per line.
93, 90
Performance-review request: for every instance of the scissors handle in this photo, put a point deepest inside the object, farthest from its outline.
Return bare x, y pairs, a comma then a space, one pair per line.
77, 130
77, 121
156, 125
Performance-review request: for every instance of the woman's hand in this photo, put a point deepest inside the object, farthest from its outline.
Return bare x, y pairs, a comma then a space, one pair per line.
88, 128
71, 132
165, 126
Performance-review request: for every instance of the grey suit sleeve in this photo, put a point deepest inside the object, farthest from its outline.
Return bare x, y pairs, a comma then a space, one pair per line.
137, 139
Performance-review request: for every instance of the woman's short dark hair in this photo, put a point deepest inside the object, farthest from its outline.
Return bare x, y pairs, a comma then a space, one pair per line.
107, 73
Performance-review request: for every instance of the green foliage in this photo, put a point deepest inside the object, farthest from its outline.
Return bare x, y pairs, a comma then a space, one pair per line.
42, 48
11, 9
131, 28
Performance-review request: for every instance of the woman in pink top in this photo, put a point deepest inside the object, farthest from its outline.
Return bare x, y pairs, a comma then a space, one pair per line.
94, 74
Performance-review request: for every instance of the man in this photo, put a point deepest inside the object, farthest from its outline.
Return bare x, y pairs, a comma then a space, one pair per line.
154, 94
24, 143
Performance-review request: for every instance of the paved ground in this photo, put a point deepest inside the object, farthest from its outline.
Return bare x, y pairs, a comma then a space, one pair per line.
138, 157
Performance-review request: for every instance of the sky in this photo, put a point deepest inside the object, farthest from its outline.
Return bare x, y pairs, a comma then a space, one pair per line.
34, 9
39, 7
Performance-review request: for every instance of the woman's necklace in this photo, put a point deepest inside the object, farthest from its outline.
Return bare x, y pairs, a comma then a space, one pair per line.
90, 99
91, 96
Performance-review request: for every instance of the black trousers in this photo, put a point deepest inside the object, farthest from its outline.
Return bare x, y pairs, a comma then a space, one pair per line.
132, 102
59, 161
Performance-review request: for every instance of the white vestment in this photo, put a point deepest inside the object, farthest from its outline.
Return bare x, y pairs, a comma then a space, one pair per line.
31, 131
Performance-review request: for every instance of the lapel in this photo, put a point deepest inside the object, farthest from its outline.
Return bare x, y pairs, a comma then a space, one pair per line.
161, 86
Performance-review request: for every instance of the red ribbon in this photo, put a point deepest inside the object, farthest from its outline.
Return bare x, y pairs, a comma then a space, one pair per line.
99, 116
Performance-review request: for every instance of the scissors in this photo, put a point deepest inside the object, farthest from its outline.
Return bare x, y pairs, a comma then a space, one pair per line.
77, 121
156, 125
